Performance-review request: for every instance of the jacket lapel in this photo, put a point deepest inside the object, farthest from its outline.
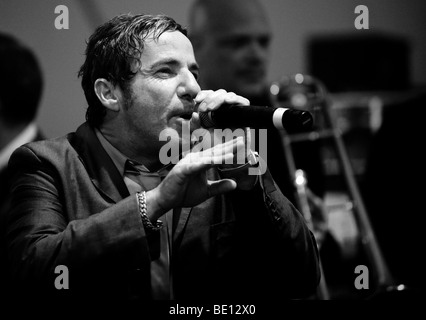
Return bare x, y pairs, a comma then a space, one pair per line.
101, 169
180, 219
199, 212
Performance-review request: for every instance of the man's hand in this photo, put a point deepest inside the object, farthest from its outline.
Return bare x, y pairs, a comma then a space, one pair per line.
187, 185
211, 100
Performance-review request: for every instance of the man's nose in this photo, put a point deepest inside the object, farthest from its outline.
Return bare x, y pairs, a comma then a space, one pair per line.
256, 50
189, 86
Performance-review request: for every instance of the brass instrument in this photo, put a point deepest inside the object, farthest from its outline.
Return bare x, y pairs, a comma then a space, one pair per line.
308, 93
300, 183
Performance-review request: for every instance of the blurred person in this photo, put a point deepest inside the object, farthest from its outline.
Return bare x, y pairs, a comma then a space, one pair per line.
127, 226
232, 41
21, 86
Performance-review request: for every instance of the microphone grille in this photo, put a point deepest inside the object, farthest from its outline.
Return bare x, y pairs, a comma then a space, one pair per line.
205, 120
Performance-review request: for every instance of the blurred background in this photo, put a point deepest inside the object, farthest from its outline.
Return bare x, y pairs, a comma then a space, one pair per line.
374, 80
293, 22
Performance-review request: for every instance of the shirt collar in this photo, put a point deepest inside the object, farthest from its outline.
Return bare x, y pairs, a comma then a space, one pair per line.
120, 160
26, 135
116, 156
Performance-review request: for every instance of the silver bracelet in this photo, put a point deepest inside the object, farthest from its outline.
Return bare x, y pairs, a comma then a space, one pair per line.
148, 225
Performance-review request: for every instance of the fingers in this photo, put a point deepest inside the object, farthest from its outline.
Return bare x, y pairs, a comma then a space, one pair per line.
220, 186
202, 95
194, 123
222, 153
208, 100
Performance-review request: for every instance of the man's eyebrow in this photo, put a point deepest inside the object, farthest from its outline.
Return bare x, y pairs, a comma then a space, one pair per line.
166, 61
173, 62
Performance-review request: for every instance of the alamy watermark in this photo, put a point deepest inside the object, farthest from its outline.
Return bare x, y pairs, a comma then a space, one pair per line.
62, 280
200, 140
62, 20
362, 20
361, 281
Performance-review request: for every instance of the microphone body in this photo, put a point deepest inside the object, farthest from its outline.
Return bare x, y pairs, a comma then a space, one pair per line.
259, 117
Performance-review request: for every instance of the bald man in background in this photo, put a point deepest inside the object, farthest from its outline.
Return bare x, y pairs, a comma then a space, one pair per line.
232, 43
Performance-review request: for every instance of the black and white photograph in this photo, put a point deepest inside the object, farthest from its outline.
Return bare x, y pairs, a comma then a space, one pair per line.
212, 158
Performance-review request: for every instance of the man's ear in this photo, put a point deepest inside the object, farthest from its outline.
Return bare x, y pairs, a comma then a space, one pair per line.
107, 94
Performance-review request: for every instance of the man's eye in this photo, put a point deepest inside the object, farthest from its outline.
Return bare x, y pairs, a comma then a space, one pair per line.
164, 72
264, 42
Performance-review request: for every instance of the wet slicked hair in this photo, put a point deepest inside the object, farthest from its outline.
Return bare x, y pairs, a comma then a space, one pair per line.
113, 52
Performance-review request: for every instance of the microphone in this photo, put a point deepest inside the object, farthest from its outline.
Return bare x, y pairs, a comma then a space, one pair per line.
259, 117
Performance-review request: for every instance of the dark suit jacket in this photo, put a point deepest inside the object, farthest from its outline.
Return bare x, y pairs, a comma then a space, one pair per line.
6, 181
70, 206
5, 186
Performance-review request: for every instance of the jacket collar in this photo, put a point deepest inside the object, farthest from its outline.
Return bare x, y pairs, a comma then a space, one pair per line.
101, 169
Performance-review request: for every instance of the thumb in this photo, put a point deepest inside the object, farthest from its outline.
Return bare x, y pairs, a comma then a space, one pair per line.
221, 186
194, 123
